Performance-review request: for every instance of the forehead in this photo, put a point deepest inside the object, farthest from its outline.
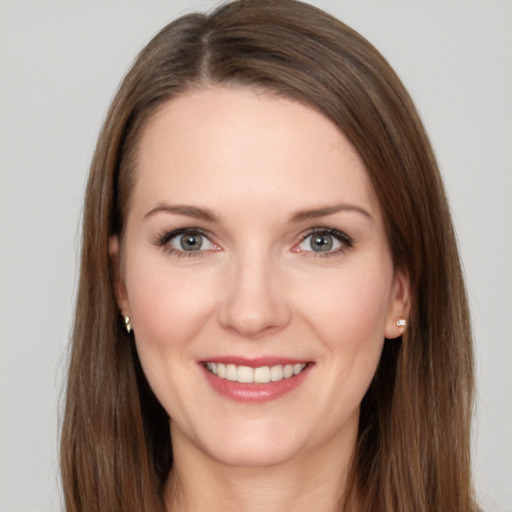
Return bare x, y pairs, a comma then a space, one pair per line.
244, 146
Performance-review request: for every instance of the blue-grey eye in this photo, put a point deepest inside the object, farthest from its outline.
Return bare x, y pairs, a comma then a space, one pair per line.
320, 242
191, 241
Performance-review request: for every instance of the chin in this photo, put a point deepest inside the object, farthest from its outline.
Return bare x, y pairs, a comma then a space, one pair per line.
243, 446
253, 454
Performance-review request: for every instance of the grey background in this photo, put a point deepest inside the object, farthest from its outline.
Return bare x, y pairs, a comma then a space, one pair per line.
60, 63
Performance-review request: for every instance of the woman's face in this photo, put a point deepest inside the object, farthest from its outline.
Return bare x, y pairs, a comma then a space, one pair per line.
255, 250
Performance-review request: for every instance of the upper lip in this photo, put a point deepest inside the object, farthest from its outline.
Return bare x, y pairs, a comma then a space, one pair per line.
255, 362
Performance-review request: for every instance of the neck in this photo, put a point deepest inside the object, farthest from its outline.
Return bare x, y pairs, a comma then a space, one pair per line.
314, 480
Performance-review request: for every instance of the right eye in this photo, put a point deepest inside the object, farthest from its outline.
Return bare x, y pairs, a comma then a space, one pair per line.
190, 242
186, 242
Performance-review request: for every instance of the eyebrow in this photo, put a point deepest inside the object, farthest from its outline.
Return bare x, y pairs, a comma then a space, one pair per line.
189, 211
299, 216
315, 213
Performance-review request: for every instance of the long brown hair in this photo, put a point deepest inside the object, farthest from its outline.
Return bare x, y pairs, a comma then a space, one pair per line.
413, 451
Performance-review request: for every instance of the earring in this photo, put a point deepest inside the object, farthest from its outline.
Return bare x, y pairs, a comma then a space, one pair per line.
401, 324
127, 324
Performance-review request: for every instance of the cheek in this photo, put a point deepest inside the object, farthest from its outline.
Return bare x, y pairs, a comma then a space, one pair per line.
168, 305
349, 306
348, 316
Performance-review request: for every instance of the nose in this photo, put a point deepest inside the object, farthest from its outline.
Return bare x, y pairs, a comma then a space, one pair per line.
254, 302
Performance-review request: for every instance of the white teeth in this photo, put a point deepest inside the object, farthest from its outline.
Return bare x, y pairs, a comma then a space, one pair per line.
260, 375
288, 371
245, 374
231, 373
276, 373
297, 368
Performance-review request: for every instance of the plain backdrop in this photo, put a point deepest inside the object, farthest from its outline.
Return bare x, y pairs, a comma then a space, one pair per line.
60, 64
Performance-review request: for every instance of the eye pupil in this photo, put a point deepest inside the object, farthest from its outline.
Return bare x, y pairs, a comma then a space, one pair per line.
191, 242
321, 243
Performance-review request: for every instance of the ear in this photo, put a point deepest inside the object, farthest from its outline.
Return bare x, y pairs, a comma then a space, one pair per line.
399, 306
119, 284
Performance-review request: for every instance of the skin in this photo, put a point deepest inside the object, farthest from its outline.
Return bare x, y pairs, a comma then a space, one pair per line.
256, 288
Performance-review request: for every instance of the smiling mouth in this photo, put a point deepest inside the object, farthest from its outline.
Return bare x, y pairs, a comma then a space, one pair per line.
260, 375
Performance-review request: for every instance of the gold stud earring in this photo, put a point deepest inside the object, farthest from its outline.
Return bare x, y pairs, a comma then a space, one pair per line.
127, 324
401, 324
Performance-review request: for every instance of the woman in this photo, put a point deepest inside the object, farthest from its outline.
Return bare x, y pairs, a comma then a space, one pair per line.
271, 312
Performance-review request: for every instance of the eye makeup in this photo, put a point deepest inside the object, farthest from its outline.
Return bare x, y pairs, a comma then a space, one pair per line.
195, 242
186, 242
324, 242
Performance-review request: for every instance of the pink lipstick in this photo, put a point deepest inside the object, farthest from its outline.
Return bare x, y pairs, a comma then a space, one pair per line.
254, 380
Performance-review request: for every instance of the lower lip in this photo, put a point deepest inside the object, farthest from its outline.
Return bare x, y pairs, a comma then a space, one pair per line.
256, 393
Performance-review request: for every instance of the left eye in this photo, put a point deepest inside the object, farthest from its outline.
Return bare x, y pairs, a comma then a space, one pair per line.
324, 242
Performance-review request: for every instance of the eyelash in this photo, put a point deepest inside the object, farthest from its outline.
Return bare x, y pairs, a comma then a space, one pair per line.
346, 242
164, 238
